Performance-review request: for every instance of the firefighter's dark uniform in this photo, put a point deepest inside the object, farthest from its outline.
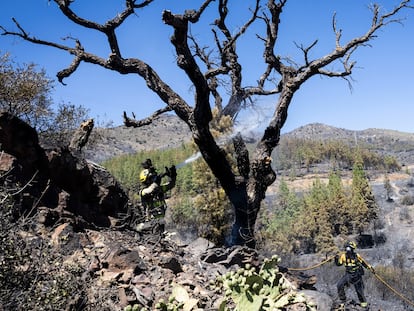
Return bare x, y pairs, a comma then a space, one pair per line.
153, 191
354, 270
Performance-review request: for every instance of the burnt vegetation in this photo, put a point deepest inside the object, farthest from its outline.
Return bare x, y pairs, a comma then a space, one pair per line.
40, 273
68, 241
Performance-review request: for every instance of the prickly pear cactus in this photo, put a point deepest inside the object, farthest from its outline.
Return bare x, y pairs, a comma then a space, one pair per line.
252, 290
179, 300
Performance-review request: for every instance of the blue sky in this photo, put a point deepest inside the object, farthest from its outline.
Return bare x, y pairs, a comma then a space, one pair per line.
382, 91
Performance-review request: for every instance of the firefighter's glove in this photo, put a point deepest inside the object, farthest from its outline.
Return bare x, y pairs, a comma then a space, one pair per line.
173, 172
157, 179
167, 172
336, 258
371, 268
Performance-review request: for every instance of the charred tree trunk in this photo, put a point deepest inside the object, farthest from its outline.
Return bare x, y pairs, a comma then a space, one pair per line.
81, 136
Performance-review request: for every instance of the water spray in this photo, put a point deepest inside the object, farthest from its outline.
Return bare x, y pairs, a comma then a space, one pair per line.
221, 141
245, 127
194, 157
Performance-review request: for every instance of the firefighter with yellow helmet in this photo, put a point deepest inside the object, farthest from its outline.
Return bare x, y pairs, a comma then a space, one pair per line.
153, 189
354, 270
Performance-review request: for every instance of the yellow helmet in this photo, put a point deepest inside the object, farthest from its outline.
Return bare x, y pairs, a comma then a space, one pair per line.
351, 244
143, 176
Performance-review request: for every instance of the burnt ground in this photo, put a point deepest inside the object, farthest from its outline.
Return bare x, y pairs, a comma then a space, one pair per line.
115, 267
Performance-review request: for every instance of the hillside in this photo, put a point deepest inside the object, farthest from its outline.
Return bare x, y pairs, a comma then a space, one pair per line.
385, 142
169, 131
61, 262
396, 216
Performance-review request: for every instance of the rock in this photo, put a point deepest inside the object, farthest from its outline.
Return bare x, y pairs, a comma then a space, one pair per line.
65, 239
322, 300
236, 255
109, 277
21, 140
199, 246
171, 263
79, 191
122, 258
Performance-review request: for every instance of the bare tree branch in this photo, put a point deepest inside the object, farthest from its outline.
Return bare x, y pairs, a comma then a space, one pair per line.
213, 82
109, 27
128, 122
243, 28
306, 50
186, 61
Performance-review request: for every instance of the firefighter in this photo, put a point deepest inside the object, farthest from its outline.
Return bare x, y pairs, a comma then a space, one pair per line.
153, 189
354, 270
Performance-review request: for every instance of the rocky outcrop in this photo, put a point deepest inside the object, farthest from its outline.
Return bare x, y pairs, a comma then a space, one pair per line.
59, 182
129, 268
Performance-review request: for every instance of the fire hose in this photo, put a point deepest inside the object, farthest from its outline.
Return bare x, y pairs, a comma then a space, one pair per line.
313, 267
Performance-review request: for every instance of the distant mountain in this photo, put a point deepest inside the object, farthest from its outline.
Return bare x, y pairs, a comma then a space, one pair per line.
322, 131
169, 131
383, 141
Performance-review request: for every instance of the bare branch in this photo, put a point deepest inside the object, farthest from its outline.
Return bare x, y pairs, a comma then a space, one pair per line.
211, 78
108, 29
25, 36
186, 61
128, 122
68, 71
229, 58
139, 5
272, 26
345, 51
306, 50
245, 26
78, 51
193, 16
338, 32
116, 63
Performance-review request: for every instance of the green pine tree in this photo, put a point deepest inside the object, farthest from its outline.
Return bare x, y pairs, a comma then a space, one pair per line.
339, 214
278, 219
363, 206
314, 228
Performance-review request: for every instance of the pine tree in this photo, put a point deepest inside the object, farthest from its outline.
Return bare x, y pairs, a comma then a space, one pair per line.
314, 227
279, 219
339, 214
363, 206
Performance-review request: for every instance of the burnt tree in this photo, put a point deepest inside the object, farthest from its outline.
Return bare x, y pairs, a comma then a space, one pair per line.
206, 69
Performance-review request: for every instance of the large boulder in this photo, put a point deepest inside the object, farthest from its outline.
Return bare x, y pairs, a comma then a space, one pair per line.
60, 180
